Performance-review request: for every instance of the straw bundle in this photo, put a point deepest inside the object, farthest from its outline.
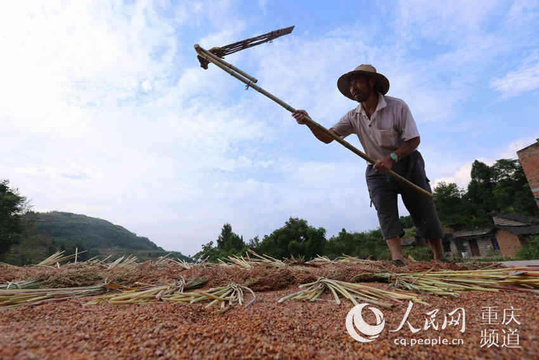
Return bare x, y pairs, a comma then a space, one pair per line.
124, 262
20, 297
352, 292
146, 295
184, 264
227, 296
57, 258
31, 284
265, 260
320, 260
450, 282
142, 293
349, 260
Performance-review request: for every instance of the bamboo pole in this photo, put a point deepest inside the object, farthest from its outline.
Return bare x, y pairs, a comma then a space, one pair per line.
239, 75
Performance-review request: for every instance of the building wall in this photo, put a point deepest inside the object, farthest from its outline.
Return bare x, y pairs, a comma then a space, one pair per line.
509, 243
529, 159
454, 249
485, 246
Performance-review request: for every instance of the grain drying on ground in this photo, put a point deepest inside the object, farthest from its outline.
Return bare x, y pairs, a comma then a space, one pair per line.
252, 306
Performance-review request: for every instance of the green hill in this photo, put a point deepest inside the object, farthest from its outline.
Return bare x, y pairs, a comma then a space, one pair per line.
46, 233
91, 232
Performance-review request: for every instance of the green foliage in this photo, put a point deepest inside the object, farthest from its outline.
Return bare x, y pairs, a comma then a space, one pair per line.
70, 228
343, 243
228, 244
229, 241
511, 191
45, 233
12, 207
497, 189
418, 253
450, 204
364, 245
530, 251
254, 244
208, 253
296, 238
406, 222
493, 255
501, 188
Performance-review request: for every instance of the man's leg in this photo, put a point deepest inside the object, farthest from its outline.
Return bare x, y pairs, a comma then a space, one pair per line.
436, 247
423, 209
395, 248
383, 194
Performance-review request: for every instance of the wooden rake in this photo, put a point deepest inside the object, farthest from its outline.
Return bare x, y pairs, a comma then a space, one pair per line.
215, 56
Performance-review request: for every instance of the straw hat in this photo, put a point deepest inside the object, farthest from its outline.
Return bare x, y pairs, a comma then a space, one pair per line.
382, 83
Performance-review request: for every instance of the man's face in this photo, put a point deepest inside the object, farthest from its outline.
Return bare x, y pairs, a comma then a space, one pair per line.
361, 87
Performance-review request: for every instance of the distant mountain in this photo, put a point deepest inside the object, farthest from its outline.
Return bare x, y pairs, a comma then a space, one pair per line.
46, 233
91, 232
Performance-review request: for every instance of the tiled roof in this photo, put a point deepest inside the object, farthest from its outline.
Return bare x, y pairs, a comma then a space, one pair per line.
521, 230
514, 220
471, 233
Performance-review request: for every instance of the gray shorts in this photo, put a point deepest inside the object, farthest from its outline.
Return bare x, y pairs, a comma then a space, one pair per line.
383, 190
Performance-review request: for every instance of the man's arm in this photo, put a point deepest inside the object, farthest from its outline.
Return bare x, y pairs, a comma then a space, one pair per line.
385, 164
300, 116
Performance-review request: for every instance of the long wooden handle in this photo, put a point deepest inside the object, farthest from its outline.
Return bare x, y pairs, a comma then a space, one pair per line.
225, 66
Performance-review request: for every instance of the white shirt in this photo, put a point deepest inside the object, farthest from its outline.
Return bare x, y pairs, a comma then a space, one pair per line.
390, 125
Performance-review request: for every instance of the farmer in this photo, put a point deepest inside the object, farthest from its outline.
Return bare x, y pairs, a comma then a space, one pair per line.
388, 133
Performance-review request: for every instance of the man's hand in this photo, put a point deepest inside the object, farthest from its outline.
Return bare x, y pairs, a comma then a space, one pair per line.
300, 116
384, 165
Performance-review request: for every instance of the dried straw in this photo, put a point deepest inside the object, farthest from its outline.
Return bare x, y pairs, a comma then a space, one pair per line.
450, 282
352, 292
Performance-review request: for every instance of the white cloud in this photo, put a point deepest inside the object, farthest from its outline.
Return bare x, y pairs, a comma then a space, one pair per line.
75, 82
441, 22
296, 73
62, 57
460, 173
516, 82
461, 177
523, 11
511, 151
107, 112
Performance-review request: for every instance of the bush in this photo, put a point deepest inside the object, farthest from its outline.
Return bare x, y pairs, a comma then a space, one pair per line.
493, 255
530, 251
419, 253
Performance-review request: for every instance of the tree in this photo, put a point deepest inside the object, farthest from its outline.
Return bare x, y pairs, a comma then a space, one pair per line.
406, 221
511, 191
368, 244
12, 207
529, 251
208, 253
343, 244
373, 245
295, 238
450, 204
254, 244
497, 189
479, 197
229, 241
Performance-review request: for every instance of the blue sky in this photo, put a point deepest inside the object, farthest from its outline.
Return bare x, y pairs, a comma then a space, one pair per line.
106, 112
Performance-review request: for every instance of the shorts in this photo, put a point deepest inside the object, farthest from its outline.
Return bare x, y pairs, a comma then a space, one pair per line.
383, 190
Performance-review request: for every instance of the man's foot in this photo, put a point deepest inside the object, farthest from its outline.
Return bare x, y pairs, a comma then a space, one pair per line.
398, 263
